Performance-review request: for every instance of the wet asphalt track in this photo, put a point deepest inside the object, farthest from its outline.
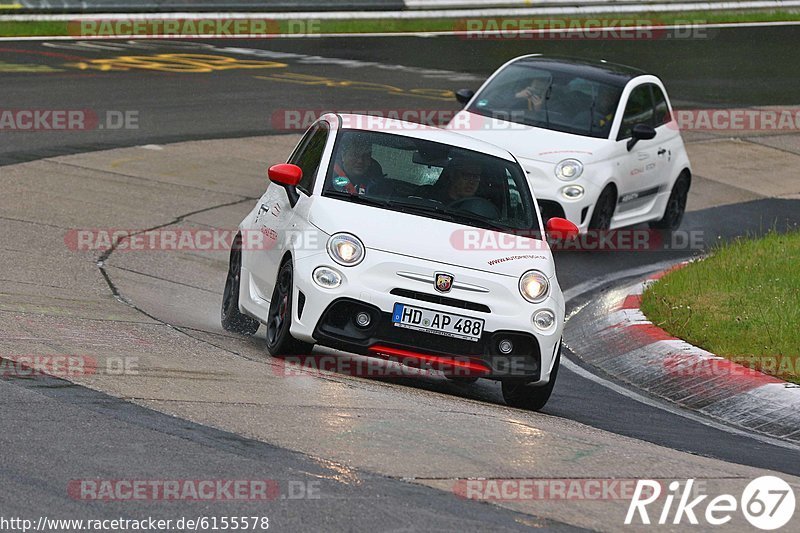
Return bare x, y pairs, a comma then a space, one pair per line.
90, 429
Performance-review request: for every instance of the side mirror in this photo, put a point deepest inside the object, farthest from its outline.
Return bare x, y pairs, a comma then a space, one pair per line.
464, 96
640, 132
561, 229
287, 176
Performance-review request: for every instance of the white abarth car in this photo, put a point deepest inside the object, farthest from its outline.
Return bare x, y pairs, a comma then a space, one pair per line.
404, 242
598, 140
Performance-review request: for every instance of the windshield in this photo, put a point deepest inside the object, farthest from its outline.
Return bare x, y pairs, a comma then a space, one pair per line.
562, 101
430, 179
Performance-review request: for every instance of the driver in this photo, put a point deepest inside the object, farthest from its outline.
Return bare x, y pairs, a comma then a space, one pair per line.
534, 94
355, 169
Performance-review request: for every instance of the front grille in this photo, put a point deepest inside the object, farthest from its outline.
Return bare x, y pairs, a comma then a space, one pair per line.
441, 300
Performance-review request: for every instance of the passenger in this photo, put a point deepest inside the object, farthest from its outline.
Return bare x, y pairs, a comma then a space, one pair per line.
459, 180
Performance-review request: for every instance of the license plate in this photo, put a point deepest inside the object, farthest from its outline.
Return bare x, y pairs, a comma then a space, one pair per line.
436, 322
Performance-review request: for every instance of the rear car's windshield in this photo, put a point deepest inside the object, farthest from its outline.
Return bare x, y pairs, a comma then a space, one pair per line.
430, 179
537, 96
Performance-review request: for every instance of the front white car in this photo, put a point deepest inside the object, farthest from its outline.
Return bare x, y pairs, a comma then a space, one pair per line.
389, 265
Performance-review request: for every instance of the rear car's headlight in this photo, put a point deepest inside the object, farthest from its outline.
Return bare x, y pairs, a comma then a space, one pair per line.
569, 169
572, 192
346, 249
534, 286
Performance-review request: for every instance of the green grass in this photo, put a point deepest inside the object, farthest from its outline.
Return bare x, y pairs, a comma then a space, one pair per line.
51, 28
742, 303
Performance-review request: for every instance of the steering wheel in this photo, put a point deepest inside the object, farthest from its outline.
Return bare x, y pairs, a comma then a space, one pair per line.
477, 205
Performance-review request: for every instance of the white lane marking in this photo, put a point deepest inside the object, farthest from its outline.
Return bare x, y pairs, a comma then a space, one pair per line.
476, 34
428, 13
587, 286
582, 372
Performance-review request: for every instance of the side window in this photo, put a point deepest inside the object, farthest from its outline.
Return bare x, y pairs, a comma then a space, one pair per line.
661, 107
309, 155
638, 110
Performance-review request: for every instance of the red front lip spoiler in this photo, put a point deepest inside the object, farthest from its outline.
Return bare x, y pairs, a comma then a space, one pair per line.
461, 366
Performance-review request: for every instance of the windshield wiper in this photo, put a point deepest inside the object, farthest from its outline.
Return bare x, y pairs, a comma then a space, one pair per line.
358, 198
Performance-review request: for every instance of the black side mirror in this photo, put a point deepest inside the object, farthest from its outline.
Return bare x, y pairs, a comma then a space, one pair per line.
464, 95
640, 132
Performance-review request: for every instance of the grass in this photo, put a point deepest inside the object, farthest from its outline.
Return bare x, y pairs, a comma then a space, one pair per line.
10, 28
741, 303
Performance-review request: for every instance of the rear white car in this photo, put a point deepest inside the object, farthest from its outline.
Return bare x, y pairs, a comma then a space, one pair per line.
598, 140
385, 269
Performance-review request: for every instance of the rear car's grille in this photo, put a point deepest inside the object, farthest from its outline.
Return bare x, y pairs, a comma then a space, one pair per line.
441, 300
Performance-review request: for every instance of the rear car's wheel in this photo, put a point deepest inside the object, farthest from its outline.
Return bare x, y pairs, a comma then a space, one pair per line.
518, 393
676, 206
604, 210
279, 319
232, 319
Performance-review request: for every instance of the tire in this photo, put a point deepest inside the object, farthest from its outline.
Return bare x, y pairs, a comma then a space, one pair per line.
676, 206
603, 210
518, 393
279, 320
232, 319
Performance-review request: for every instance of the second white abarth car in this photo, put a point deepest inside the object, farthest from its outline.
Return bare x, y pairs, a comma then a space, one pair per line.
598, 140
404, 242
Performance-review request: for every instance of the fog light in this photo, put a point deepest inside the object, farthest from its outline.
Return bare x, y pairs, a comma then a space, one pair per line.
573, 192
544, 319
505, 346
327, 278
363, 319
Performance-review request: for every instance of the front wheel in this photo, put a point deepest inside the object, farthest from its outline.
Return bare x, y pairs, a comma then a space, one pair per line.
279, 338
232, 319
518, 393
603, 210
676, 206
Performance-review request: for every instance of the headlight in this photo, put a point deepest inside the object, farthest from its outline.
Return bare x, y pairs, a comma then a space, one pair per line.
533, 286
345, 249
569, 169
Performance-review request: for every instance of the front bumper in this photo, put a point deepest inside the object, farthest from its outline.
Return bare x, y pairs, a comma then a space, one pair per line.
326, 316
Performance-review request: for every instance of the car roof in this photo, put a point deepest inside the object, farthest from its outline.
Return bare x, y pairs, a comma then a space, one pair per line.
351, 121
600, 70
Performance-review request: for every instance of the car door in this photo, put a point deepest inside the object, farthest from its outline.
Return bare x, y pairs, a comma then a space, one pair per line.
640, 169
668, 136
275, 221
